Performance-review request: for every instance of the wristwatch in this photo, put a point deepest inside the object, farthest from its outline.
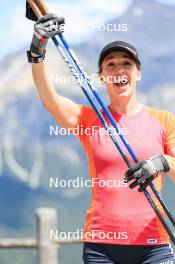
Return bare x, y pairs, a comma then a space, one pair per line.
32, 59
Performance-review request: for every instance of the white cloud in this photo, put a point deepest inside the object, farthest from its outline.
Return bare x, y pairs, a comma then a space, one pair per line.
19, 31
20, 28
87, 12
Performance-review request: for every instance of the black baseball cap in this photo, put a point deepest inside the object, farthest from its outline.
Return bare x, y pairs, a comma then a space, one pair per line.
118, 46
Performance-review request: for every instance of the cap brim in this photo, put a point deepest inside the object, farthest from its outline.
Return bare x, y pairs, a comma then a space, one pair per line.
119, 48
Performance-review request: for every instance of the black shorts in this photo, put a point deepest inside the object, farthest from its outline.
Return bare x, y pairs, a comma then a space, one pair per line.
94, 253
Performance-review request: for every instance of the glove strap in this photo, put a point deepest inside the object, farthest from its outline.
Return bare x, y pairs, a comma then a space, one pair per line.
32, 59
165, 163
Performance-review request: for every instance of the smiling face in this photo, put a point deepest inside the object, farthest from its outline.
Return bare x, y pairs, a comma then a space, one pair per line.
120, 74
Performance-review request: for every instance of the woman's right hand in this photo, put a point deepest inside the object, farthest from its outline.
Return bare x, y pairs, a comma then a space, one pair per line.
45, 27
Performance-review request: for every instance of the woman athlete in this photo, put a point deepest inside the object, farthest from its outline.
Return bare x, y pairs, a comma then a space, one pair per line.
120, 227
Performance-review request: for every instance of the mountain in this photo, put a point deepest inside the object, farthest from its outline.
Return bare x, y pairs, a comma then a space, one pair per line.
151, 29
30, 155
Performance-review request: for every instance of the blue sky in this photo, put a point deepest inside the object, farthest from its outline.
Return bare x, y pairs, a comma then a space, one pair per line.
16, 31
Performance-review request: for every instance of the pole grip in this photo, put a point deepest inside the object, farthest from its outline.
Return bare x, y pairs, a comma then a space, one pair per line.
35, 8
42, 7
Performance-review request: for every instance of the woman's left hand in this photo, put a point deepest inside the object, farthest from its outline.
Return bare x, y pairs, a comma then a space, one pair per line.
143, 172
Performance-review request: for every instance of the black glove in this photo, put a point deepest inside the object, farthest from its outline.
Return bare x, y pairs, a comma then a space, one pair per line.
45, 27
143, 172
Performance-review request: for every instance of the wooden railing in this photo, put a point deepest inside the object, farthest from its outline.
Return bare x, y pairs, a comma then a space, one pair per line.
47, 248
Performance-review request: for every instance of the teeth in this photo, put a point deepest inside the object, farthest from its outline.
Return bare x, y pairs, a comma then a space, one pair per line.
121, 82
